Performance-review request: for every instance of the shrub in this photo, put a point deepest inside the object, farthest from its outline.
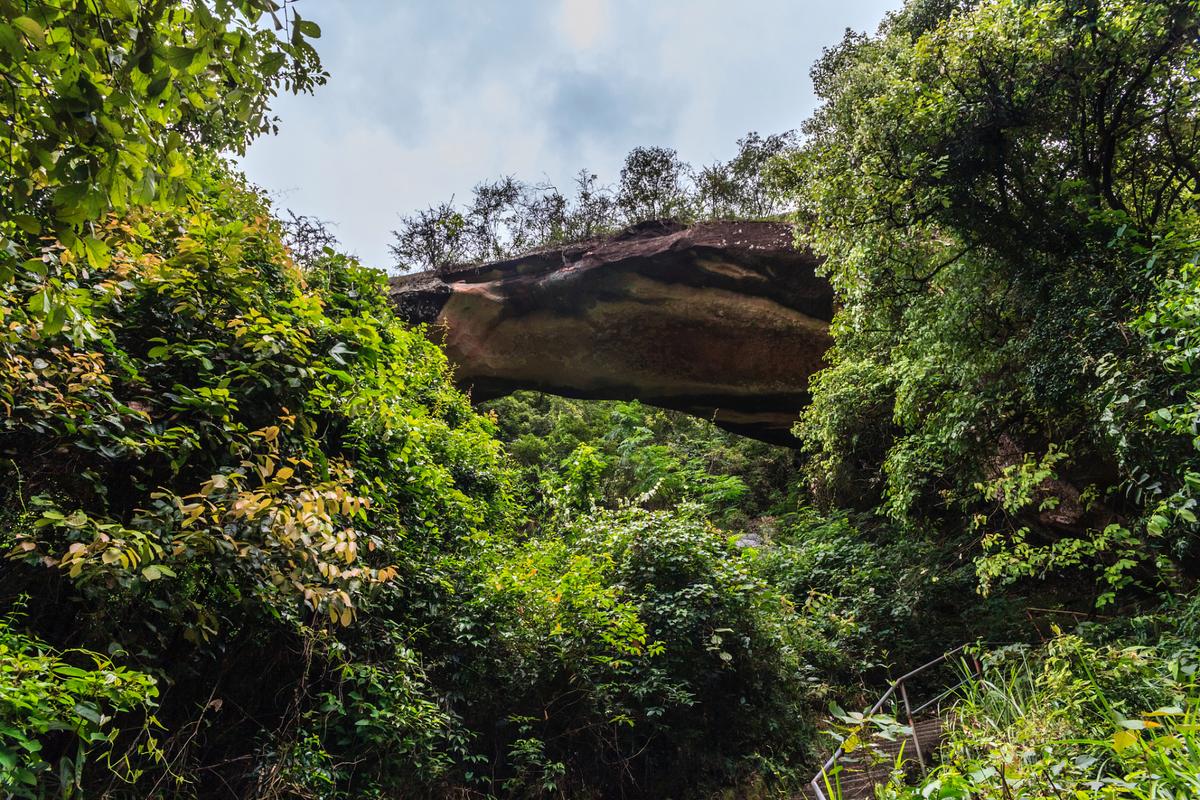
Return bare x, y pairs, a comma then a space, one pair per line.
57, 717
1073, 719
637, 651
209, 456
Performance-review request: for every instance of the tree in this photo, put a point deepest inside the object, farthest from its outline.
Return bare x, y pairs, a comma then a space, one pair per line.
492, 217
653, 185
507, 217
432, 238
543, 218
101, 109
742, 188
594, 210
308, 239
990, 183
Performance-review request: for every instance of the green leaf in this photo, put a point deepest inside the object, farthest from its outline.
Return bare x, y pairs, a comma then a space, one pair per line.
55, 320
179, 57
1166, 711
89, 712
28, 224
31, 28
272, 62
98, 255
158, 84
10, 40
68, 671
308, 28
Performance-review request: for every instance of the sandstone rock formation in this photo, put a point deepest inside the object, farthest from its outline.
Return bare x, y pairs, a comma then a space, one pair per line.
723, 320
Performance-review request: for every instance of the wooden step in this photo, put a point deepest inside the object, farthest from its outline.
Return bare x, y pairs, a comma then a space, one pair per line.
868, 768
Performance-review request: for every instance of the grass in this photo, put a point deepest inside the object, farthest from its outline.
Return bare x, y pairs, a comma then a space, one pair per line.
1072, 721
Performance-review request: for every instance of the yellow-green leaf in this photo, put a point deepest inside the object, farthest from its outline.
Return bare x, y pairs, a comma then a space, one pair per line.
1124, 739
30, 28
1166, 711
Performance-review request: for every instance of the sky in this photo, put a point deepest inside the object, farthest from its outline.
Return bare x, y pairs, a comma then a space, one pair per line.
426, 98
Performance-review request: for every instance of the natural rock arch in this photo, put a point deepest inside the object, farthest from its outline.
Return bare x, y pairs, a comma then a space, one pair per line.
724, 320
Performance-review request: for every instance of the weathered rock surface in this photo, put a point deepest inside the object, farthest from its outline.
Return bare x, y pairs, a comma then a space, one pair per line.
723, 320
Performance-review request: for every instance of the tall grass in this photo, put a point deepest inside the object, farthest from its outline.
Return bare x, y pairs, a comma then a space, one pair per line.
1072, 721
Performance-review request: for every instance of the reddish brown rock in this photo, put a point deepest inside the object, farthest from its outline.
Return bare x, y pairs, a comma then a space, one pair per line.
723, 320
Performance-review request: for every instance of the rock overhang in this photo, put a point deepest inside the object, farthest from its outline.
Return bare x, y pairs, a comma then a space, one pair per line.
724, 320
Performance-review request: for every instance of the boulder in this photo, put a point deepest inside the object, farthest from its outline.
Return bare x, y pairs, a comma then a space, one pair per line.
724, 320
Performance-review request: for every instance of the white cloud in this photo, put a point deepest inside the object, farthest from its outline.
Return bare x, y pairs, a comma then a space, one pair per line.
427, 99
584, 23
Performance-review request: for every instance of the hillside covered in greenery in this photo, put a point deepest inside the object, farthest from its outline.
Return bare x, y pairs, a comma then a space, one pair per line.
256, 542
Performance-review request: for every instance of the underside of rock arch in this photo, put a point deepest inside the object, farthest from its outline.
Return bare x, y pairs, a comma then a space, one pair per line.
724, 320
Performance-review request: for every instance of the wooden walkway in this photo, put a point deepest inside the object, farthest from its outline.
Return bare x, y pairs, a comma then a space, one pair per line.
854, 775
869, 767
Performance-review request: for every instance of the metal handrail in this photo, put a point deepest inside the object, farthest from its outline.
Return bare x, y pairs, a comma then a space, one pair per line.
896, 685
945, 693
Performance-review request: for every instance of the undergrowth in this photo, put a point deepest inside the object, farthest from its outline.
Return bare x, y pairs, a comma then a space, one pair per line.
1074, 718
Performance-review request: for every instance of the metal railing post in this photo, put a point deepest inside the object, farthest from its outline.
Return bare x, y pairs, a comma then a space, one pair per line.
896, 684
912, 726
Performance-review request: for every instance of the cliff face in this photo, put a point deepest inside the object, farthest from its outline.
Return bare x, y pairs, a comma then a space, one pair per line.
723, 320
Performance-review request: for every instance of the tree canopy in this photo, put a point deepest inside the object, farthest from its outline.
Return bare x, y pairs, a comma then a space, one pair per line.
1000, 189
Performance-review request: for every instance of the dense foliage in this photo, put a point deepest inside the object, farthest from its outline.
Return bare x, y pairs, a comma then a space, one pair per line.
1006, 192
660, 458
231, 470
1078, 717
256, 542
49, 705
102, 105
224, 454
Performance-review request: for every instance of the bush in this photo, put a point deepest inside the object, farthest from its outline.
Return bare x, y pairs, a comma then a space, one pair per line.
1073, 719
884, 599
208, 456
57, 717
630, 651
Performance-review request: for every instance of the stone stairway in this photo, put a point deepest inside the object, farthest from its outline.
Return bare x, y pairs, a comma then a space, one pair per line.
862, 772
